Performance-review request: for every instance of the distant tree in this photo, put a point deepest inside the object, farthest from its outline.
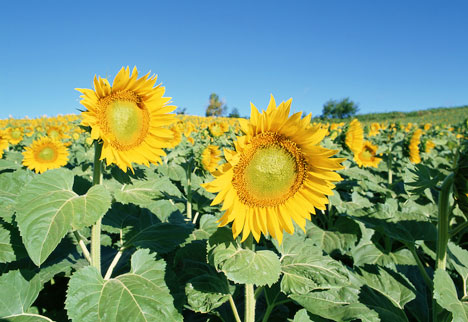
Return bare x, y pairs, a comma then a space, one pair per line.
181, 110
339, 109
234, 113
215, 106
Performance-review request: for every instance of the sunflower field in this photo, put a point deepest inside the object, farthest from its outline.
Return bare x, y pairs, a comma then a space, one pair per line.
129, 212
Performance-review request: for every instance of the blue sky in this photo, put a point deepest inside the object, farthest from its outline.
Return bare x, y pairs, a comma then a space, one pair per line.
384, 55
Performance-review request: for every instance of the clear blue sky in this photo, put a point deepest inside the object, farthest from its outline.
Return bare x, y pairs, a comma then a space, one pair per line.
385, 55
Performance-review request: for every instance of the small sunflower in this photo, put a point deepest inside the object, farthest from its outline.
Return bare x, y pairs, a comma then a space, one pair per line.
15, 135
414, 146
367, 156
277, 175
3, 143
355, 136
429, 146
130, 117
210, 158
45, 154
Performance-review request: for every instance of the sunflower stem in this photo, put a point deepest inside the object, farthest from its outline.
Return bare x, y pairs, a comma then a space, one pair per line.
96, 228
389, 166
443, 222
249, 315
234, 309
442, 233
421, 267
189, 190
82, 246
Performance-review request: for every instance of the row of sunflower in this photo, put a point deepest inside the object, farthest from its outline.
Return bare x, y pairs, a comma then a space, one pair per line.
173, 238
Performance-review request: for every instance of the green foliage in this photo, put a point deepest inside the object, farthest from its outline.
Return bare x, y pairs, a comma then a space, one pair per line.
47, 208
139, 295
339, 109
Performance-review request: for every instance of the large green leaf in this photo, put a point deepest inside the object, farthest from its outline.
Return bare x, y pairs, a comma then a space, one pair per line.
386, 292
337, 304
47, 208
140, 295
11, 184
242, 266
305, 269
446, 296
17, 294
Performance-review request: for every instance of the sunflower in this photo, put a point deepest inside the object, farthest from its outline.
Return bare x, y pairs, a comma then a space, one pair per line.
367, 156
3, 143
130, 117
355, 136
210, 158
414, 146
277, 174
45, 154
429, 146
15, 135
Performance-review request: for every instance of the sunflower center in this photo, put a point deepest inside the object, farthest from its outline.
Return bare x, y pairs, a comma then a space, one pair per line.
16, 134
366, 154
125, 120
54, 134
47, 154
270, 172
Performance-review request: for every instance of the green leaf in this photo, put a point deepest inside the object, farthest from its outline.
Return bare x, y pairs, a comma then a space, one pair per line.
305, 269
7, 254
386, 292
47, 208
338, 304
11, 184
208, 227
17, 294
206, 292
140, 295
459, 259
242, 266
143, 193
160, 237
446, 296
302, 316
423, 178
342, 238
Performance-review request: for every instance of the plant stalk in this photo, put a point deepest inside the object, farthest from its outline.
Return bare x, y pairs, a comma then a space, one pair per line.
443, 222
389, 166
421, 267
113, 264
189, 190
234, 309
249, 289
83, 247
96, 228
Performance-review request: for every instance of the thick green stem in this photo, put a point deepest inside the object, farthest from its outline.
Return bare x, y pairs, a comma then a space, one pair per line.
443, 223
96, 229
249, 290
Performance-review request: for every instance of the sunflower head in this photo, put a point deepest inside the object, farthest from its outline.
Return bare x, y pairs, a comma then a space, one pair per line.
130, 117
210, 158
15, 135
278, 174
355, 136
366, 157
414, 147
44, 154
